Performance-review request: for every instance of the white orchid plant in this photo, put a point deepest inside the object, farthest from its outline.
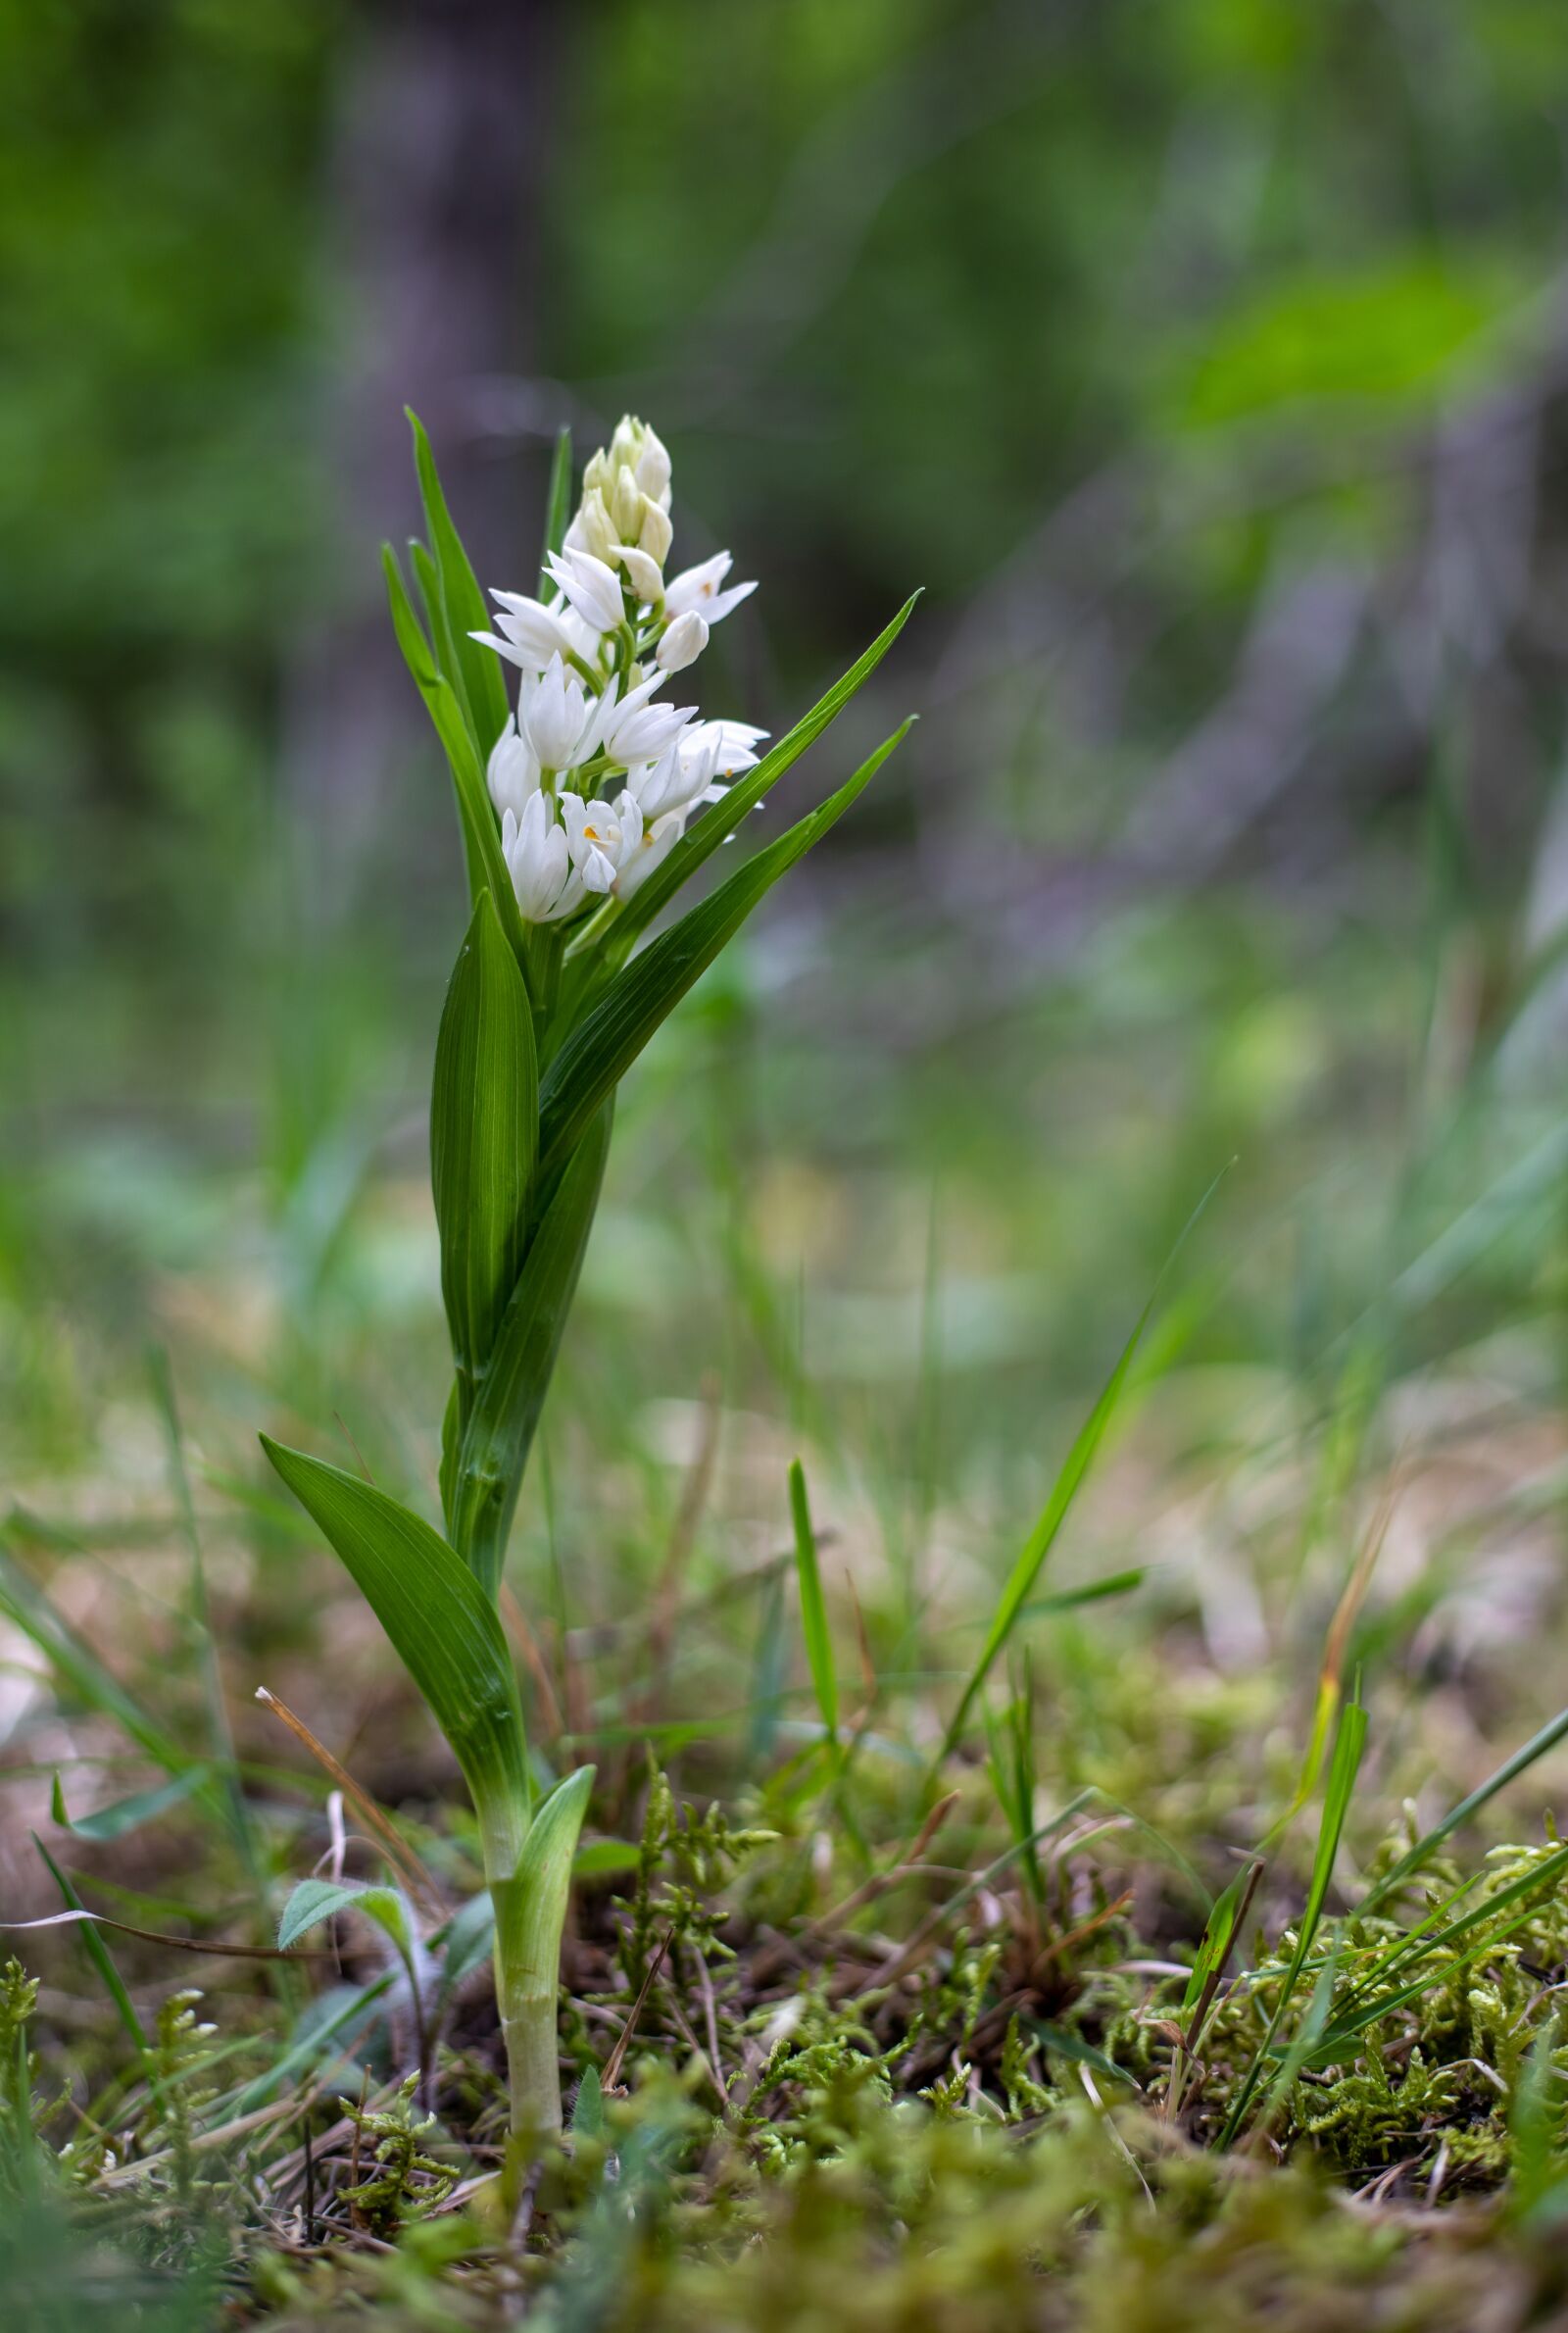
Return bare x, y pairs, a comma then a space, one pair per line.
584, 807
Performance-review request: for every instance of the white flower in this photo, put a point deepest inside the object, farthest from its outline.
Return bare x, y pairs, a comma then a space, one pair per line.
539, 863
592, 587
697, 588
558, 717
682, 644
735, 739
513, 775
533, 633
647, 577
637, 731
671, 785
602, 837
656, 843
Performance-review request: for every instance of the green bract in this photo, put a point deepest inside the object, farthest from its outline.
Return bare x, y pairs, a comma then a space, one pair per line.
542, 1020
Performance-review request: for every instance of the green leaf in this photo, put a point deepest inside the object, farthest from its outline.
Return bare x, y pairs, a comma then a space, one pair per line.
442, 1625
813, 1610
485, 1122
476, 821
467, 1940
475, 673
1219, 1934
602, 1856
127, 1814
588, 2108
720, 821
317, 1900
530, 1914
510, 1396
557, 507
1067, 2044
603, 1047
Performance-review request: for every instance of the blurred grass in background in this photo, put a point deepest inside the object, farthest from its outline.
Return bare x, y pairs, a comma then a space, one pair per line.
1207, 364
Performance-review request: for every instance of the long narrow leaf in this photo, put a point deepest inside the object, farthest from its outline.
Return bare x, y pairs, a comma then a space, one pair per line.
114, 1983
1430, 1841
440, 1622
557, 509
485, 1122
475, 675
599, 1052
1348, 1745
494, 1448
813, 1610
481, 839
720, 821
116, 1821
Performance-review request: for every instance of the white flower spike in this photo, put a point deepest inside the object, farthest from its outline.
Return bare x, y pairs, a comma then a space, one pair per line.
594, 781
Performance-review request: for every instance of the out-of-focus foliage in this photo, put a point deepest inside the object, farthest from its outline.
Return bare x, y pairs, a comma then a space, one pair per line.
159, 237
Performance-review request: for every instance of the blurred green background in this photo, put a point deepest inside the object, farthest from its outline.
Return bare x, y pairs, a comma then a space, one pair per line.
1206, 361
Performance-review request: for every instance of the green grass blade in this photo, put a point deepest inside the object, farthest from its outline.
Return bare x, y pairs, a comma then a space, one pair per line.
1219, 1934
813, 1610
1032, 1554
720, 821
1538, 1745
1356, 2015
558, 508
98, 1952
603, 1047
498, 1435
126, 1814
440, 1622
1337, 1791
475, 672
484, 1125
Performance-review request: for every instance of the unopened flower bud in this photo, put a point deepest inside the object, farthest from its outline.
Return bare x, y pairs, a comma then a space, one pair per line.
682, 644
591, 529
653, 469
655, 534
624, 502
